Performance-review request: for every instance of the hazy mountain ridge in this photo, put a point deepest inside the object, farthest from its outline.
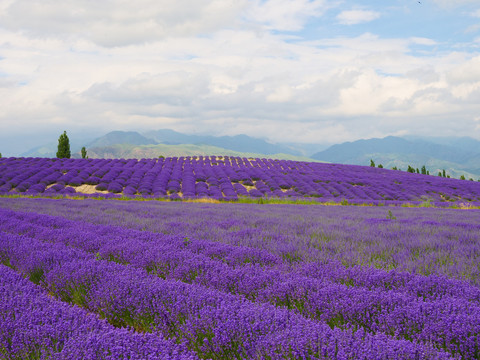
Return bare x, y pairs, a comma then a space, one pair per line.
237, 143
242, 143
152, 151
456, 155
121, 137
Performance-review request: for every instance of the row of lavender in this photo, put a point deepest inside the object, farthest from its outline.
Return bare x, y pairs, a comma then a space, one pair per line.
228, 178
229, 304
36, 326
190, 260
418, 240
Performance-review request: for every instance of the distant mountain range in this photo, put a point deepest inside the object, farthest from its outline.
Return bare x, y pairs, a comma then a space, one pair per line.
126, 151
131, 144
458, 156
241, 143
121, 137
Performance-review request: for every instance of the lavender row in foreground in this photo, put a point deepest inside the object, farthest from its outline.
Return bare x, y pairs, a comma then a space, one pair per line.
397, 312
214, 324
147, 250
92, 238
424, 241
33, 325
141, 247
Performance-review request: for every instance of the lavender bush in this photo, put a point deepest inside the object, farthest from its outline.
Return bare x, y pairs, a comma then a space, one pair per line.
228, 178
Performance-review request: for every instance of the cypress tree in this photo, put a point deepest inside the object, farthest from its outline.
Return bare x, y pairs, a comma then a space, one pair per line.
63, 150
84, 153
372, 163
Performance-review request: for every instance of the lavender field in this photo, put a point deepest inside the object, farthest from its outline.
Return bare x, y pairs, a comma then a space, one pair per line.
106, 279
228, 179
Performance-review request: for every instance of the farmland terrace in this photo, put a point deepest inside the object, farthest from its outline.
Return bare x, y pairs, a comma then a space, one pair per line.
229, 178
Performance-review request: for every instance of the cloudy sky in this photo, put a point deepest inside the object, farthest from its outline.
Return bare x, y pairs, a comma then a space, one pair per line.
311, 71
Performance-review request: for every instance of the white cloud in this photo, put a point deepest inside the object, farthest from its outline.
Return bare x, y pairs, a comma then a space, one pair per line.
353, 17
254, 85
476, 13
466, 73
120, 22
136, 66
287, 15
423, 41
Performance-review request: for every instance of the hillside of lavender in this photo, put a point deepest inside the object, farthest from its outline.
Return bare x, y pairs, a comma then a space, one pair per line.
86, 276
229, 178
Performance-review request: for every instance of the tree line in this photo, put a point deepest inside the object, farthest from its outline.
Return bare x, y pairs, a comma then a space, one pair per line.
423, 171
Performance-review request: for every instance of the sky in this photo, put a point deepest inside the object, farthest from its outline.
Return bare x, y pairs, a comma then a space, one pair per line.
300, 71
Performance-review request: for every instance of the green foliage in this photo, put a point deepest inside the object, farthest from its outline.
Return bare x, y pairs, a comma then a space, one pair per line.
63, 150
410, 169
462, 177
424, 170
372, 163
36, 275
426, 203
0, 155
163, 157
380, 166
394, 168
390, 216
444, 173
84, 153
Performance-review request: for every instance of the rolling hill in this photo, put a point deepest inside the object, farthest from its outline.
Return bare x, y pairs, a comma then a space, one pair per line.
458, 156
129, 151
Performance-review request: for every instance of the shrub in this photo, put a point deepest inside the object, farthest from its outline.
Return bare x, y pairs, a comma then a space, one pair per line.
115, 187
102, 186
76, 181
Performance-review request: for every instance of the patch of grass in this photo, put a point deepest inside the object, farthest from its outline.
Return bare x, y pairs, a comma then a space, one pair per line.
390, 216
245, 200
